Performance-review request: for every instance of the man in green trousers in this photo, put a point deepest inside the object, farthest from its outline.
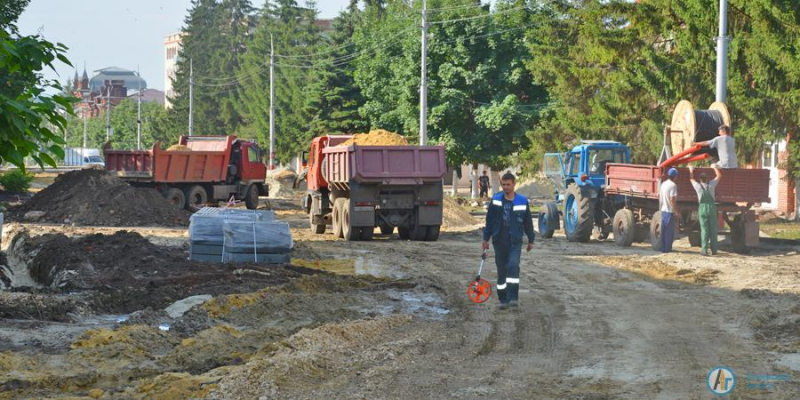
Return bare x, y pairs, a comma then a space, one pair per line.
706, 196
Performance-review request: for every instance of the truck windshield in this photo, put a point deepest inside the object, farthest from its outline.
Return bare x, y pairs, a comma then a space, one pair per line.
598, 158
94, 159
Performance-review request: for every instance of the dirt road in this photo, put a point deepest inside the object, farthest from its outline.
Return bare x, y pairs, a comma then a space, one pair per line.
596, 321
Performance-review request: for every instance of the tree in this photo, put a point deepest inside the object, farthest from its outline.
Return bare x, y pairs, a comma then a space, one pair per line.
213, 43
332, 97
123, 120
481, 98
30, 119
294, 34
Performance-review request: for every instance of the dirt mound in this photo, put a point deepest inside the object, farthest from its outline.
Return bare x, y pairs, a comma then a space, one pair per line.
455, 216
538, 188
178, 147
130, 273
95, 197
377, 137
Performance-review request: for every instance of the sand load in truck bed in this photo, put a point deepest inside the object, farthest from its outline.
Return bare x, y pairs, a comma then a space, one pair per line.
95, 197
377, 137
178, 147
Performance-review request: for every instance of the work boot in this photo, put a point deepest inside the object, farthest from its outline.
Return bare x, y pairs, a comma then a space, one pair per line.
513, 304
502, 306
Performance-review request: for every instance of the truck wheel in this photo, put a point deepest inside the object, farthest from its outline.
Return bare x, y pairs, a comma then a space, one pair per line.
432, 233
386, 229
418, 233
338, 206
251, 198
349, 232
404, 233
624, 228
367, 233
694, 239
176, 197
578, 221
317, 229
655, 231
548, 220
196, 197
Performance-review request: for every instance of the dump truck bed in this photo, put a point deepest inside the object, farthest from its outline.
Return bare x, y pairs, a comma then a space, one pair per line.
738, 185
387, 165
206, 162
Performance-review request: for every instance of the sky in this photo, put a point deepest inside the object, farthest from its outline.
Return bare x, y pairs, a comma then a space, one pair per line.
118, 33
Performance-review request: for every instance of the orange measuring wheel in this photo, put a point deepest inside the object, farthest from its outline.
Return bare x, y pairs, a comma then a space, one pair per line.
479, 290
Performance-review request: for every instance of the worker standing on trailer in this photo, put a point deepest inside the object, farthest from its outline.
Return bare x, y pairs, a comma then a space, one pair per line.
484, 184
706, 196
726, 147
668, 205
508, 217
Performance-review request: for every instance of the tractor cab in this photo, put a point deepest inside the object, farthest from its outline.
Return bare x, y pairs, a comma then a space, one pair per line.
584, 165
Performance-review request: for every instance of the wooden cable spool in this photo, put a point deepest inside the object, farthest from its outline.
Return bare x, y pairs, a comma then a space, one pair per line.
690, 126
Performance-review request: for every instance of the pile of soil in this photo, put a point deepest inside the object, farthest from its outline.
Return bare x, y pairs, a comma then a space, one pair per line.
377, 137
95, 197
178, 147
455, 216
130, 273
539, 188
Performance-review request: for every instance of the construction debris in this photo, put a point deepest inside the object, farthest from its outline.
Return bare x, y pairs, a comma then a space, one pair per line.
377, 137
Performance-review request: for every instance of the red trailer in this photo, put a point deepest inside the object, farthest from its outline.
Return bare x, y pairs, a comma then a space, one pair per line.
358, 188
213, 168
638, 185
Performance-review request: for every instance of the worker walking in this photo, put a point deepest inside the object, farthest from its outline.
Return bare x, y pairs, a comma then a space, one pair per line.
668, 205
507, 219
726, 147
706, 196
484, 184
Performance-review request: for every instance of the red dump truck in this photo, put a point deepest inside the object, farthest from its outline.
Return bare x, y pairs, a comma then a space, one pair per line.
213, 168
357, 188
637, 186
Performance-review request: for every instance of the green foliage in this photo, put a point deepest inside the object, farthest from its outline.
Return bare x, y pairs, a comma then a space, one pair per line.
30, 118
123, 119
616, 70
16, 181
294, 34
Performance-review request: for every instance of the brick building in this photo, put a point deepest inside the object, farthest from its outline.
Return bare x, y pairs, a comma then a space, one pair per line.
108, 85
784, 192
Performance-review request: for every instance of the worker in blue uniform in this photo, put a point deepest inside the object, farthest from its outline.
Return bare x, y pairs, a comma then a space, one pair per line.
508, 217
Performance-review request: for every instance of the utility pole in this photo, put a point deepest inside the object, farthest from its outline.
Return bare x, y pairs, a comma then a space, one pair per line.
423, 87
191, 96
722, 51
139, 111
271, 104
85, 122
108, 111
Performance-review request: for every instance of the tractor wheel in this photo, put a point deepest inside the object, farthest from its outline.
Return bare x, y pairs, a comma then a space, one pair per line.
655, 231
432, 233
338, 207
578, 212
349, 232
548, 220
196, 197
624, 228
386, 229
176, 197
251, 197
694, 239
317, 229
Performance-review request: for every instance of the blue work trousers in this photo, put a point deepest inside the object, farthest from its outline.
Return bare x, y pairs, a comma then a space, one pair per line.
667, 231
506, 256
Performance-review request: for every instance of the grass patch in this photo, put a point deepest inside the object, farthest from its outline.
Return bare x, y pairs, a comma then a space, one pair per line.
782, 230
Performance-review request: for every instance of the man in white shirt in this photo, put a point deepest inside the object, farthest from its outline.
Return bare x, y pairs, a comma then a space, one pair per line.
706, 196
726, 148
668, 205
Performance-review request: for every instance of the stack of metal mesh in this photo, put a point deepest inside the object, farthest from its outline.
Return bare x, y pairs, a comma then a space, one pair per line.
234, 235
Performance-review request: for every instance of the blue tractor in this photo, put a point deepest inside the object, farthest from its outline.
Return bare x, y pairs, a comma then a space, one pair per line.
579, 178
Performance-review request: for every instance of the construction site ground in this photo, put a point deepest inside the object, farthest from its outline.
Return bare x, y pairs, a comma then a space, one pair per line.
390, 318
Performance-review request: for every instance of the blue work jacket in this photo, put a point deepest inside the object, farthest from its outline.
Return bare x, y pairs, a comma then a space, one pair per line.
520, 219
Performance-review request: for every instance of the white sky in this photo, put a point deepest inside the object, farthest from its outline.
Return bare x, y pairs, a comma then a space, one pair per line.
120, 33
